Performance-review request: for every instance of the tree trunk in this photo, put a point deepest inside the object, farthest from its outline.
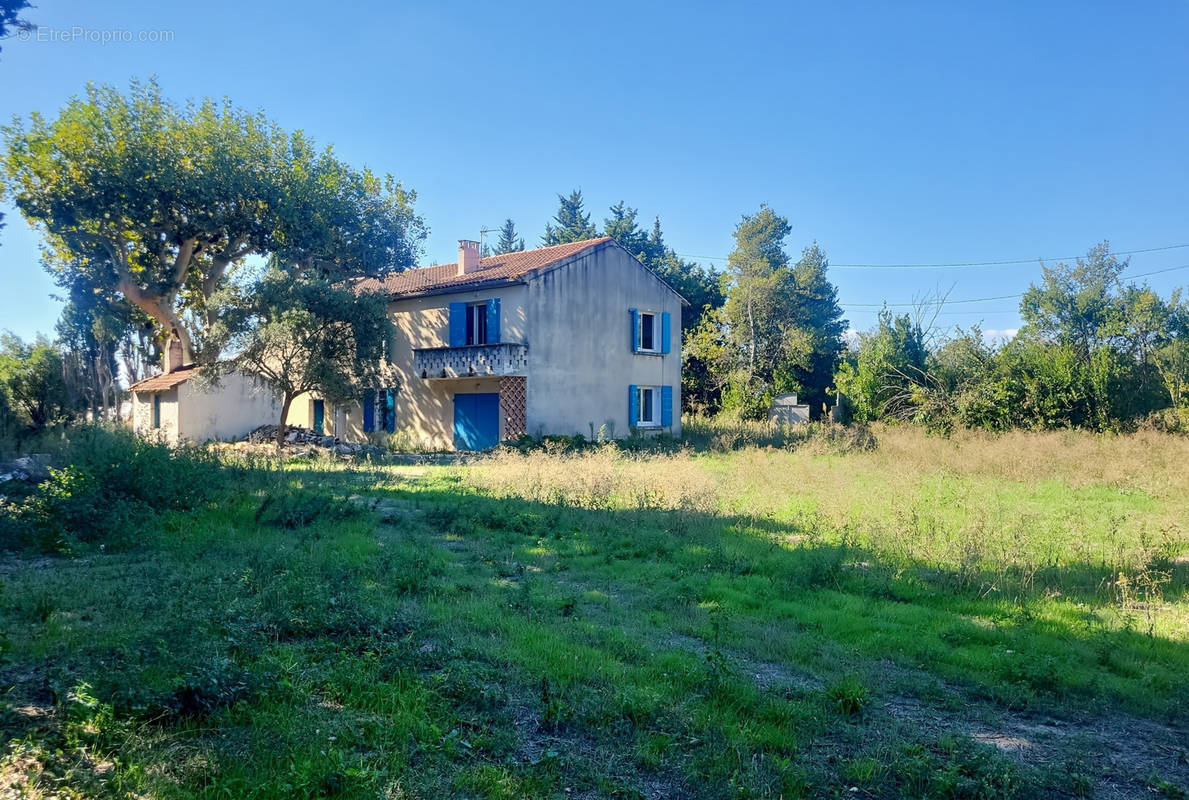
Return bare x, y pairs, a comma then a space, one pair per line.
160, 308
281, 425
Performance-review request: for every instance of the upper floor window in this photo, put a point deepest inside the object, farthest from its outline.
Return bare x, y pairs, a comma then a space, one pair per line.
650, 331
477, 323
646, 334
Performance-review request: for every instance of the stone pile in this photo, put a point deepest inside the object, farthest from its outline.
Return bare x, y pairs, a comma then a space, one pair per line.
304, 441
32, 468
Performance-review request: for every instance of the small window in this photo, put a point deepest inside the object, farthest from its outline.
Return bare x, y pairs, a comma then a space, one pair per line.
646, 333
477, 323
156, 411
647, 397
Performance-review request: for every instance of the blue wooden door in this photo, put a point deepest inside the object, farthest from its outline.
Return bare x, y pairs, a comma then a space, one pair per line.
319, 416
476, 421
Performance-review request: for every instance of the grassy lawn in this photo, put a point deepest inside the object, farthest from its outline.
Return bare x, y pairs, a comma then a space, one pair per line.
976, 617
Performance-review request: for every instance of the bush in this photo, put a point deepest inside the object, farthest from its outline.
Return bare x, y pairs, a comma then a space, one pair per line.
112, 481
1168, 420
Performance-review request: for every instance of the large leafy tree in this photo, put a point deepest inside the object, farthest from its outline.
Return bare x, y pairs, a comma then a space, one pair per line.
1077, 304
781, 326
163, 201
571, 223
303, 333
814, 311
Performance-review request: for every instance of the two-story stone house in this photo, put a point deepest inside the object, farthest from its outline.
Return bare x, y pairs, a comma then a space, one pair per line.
558, 340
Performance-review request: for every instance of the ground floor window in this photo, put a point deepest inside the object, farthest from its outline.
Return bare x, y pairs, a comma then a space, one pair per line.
650, 406
646, 403
156, 411
379, 410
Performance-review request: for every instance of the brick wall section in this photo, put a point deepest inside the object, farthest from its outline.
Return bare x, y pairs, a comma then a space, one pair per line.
512, 401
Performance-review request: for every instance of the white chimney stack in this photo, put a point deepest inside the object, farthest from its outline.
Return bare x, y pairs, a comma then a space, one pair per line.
468, 256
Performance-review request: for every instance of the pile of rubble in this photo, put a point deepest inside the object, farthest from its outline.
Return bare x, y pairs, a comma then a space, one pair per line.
33, 468
303, 441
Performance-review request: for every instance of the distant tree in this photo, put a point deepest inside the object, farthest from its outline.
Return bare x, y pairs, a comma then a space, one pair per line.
571, 223
508, 241
1170, 348
303, 334
815, 312
173, 198
1076, 304
623, 228
88, 333
1112, 331
882, 377
32, 377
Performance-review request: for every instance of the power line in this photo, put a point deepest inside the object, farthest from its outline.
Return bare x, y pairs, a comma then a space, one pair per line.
998, 297
967, 263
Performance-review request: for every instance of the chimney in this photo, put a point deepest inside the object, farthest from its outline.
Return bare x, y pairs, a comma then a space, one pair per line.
173, 355
468, 256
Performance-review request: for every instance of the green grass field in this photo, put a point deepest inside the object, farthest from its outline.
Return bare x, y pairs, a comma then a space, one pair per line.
979, 617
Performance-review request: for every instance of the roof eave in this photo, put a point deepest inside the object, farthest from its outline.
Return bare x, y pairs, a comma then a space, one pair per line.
469, 287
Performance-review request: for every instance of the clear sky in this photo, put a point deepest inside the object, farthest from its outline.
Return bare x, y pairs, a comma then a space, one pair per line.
889, 132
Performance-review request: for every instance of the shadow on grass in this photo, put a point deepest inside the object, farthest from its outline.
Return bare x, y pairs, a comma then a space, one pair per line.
323, 631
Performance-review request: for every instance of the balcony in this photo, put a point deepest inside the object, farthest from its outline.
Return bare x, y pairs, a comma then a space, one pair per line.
472, 361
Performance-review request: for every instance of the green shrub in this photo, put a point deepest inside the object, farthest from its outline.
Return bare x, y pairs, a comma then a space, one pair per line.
111, 482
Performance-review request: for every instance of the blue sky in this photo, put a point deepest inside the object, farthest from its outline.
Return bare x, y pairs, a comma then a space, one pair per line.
889, 132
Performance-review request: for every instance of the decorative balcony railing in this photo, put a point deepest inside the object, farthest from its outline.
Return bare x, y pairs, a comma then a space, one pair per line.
472, 361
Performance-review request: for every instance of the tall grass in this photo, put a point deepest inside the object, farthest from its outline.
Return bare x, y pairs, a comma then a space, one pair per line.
1018, 514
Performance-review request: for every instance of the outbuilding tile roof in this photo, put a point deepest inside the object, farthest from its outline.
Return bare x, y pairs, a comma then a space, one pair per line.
165, 381
501, 268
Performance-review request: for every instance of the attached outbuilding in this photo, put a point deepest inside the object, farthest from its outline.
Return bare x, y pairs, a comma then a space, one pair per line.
175, 407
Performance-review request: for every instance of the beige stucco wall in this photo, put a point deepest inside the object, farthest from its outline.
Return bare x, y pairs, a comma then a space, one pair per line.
228, 411
425, 408
196, 412
575, 321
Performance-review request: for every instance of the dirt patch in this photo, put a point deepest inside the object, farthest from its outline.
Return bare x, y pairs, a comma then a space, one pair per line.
768, 675
1118, 751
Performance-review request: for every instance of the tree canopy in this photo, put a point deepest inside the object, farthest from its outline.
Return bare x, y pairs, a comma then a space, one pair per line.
159, 201
780, 329
303, 333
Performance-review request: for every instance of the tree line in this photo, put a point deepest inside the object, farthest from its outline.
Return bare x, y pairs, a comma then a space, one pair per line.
249, 246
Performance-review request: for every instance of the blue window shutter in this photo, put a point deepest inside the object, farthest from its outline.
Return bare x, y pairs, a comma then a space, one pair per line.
667, 403
665, 332
458, 324
493, 321
369, 410
635, 327
390, 410
633, 405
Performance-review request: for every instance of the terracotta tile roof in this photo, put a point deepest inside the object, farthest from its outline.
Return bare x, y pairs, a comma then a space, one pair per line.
493, 269
165, 381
